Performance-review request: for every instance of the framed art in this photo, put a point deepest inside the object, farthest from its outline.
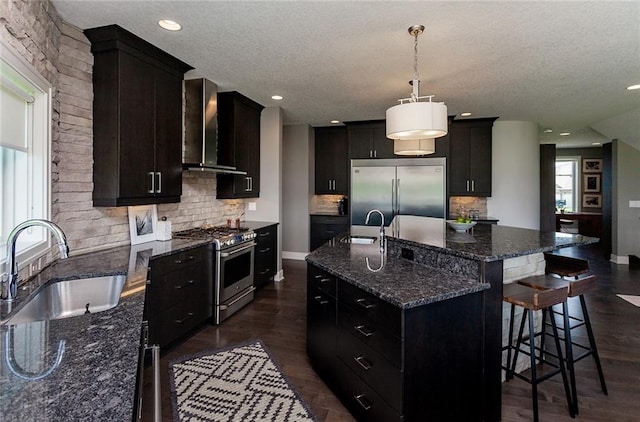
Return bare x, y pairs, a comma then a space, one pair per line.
592, 165
591, 183
143, 222
591, 201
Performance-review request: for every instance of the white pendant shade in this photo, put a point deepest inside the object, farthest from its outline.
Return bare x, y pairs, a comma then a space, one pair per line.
417, 120
414, 146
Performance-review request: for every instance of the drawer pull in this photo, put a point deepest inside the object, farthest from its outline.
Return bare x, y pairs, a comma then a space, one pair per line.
182, 261
320, 300
364, 303
264, 250
264, 234
364, 330
189, 315
265, 271
187, 284
363, 362
362, 401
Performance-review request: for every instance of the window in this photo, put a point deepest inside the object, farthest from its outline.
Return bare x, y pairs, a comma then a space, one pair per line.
567, 184
25, 119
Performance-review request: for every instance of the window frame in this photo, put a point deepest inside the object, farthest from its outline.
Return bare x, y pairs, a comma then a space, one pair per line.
576, 160
39, 201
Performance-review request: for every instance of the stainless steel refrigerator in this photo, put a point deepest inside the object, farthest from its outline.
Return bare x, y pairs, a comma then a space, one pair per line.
407, 186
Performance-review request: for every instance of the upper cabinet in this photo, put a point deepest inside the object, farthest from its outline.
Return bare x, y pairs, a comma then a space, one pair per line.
137, 120
470, 157
238, 145
331, 161
369, 140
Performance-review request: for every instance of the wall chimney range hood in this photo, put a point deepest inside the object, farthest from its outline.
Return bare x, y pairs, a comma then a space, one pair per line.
201, 128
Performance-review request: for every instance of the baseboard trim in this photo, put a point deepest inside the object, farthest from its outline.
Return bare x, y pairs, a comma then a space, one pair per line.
299, 256
279, 276
621, 260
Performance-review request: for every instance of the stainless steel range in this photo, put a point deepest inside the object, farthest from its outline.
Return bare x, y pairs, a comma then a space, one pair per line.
233, 266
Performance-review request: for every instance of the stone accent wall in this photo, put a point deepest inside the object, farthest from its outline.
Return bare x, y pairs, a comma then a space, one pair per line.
324, 204
61, 53
468, 202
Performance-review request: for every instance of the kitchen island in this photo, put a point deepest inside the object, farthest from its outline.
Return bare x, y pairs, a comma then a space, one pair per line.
429, 310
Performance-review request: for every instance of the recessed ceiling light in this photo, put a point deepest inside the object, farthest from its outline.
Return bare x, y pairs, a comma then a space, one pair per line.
632, 87
596, 143
277, 97
565, 133
465, 114
548, 130
335, 122
169, 25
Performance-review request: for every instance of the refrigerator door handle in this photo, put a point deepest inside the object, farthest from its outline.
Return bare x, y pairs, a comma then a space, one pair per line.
393, 198
397, 196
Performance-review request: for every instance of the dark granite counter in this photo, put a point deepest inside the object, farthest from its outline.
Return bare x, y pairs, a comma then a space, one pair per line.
83, 367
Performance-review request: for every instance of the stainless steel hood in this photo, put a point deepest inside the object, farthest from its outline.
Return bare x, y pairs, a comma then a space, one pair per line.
201, 128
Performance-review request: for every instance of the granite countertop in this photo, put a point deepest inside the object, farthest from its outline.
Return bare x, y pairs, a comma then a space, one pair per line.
83, 367
397, 281
483, 242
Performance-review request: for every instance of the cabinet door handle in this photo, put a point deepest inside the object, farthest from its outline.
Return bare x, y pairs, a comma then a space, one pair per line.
187, 284
187, 259
364, 303
467, 186
153, 182
189, 315
473, 185
375, 153
363, 362
367, 332
362, 401
320, 300
159, 190
370, 154
251, 184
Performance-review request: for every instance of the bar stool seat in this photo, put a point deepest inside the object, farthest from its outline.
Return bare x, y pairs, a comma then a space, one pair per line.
532, 299
574, 287
565, 266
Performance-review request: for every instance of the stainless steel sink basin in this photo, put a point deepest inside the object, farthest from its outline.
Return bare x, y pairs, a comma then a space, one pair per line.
68, 298
361, 240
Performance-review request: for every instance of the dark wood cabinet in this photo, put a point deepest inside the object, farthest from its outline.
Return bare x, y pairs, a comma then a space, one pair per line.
238, 145
369, 140
137, 120
470, 157
391, 364
266, 256
325, 227
331, 161
179, 296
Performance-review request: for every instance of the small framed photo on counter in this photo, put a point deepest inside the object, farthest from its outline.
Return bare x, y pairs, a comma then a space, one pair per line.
143, 222
591, 201
592, 165
591, 183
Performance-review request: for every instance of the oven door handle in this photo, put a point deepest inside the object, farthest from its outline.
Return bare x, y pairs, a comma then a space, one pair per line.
230, 304
227, 254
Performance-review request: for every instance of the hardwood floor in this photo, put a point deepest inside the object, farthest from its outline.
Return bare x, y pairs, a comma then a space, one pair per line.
278, 313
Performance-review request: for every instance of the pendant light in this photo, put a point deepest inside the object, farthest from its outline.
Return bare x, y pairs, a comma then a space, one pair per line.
416, 120
414, 146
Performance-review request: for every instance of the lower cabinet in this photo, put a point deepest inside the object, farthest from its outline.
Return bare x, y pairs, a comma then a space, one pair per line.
325, 227
391, 364
178, 294
266, 256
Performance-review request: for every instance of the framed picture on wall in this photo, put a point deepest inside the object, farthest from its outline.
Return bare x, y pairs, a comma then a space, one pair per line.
143, 221
592, 165
591, 201
591, 183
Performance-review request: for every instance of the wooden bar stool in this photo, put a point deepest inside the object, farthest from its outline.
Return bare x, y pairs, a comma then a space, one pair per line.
565, 266
574, 287
530, 300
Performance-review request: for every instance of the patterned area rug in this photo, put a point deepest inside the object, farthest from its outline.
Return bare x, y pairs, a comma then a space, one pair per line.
238, 383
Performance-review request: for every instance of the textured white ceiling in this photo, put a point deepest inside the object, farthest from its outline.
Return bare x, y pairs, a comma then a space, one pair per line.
564, 65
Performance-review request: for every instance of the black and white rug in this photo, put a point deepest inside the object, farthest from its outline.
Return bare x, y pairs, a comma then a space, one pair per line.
237, 383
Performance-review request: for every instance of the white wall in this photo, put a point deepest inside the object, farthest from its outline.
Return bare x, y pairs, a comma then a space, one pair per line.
296, 191
515, 199
626, 187
269, 204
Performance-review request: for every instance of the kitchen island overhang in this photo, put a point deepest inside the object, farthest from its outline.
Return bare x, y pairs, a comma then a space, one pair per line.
450, 264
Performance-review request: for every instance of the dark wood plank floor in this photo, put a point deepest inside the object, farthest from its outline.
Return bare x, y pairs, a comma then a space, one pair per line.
277, 317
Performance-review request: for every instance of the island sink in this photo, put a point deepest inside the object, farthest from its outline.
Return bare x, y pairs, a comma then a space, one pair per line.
64, 299
361, 240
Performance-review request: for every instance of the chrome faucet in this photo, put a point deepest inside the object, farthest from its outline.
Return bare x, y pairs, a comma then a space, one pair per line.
9, 284
382, 237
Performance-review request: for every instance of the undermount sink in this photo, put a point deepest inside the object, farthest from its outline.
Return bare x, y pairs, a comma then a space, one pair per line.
64, 299
361, 240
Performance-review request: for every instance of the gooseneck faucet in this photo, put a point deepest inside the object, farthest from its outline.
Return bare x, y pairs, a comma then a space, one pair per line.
9, 284
366, 221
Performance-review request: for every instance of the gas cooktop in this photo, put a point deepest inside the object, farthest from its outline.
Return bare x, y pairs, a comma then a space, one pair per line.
222, 236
